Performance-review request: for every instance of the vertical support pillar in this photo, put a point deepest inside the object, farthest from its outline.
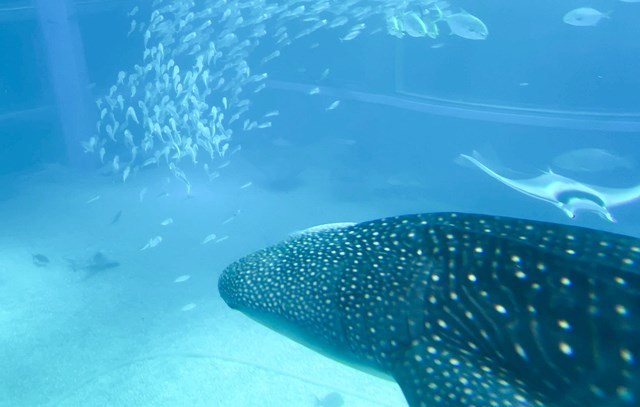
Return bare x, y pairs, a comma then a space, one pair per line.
68, 74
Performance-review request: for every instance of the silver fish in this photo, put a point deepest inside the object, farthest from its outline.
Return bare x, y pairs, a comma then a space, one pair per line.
414, 25
333, 105
584, 17
93, 198
209, 238
153, 242
143, 193
467, 26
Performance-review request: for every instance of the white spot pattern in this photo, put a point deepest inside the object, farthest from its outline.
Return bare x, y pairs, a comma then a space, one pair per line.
463, 294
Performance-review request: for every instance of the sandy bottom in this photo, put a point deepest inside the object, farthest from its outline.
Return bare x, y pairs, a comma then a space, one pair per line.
130, 335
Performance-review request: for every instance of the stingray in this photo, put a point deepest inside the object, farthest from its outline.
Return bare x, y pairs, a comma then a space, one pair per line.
568, 195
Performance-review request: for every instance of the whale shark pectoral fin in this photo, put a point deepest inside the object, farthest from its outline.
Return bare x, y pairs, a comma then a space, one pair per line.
430, 374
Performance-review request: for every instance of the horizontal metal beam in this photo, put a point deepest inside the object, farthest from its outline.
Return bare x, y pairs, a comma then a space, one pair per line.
565, 119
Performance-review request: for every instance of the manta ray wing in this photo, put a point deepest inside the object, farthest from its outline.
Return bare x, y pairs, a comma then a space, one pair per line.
544, 187
617, 196
565, 193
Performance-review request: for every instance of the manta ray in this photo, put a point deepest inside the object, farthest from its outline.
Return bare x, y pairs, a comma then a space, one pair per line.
459, 309
567, 194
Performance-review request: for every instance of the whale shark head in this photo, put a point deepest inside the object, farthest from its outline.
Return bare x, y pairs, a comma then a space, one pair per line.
292, 287
459, 309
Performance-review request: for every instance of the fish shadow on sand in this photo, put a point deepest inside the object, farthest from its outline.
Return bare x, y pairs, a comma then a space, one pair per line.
333, 399
93, 265
40, 260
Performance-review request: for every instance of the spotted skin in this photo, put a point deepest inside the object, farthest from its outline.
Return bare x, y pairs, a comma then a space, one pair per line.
460, 309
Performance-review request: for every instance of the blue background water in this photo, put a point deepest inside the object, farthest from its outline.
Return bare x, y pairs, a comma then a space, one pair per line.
389, 149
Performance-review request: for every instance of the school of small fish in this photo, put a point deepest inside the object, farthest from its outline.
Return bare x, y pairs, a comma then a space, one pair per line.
180, 105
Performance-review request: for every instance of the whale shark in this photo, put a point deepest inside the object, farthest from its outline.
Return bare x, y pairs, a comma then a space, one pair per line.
565, 193
459, 309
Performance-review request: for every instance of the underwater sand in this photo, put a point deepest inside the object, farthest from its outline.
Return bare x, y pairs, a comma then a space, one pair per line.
131, 335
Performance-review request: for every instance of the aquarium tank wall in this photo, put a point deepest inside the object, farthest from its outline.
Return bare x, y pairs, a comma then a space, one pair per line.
399, 154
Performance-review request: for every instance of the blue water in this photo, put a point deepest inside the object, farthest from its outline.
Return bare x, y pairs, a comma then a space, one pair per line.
534, 89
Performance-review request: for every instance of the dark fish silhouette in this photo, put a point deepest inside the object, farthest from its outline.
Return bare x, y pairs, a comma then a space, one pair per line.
116, 218
95, 264
40, 260
459, 309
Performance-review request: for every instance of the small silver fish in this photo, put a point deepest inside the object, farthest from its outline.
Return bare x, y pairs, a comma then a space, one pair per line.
150, 161
333, 105
182, 278
190, 37
231, 218
90, 145
94, 198
131, 113
125, 173
414, 25
351, 35
188, 307
142, 194
133, 28
324, 74
209, 238
153, 242
271, 56
222, 239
